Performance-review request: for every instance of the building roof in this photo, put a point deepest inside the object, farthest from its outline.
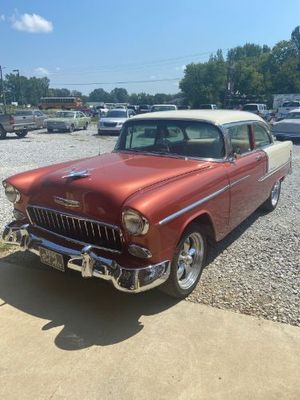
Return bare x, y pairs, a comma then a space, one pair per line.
217, 117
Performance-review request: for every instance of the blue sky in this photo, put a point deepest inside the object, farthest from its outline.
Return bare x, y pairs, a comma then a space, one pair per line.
111, 41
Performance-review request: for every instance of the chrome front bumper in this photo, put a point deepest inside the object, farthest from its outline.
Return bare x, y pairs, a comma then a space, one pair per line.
89, 264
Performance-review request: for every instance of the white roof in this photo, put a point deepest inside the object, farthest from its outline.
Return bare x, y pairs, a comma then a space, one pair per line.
217, 117
294, 110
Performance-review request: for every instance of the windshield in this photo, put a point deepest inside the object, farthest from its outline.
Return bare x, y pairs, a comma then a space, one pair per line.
162, 108
64, 114
116, 114
172, 138
294, 115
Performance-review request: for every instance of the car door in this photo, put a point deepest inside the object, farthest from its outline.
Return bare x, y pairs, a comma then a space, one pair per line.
244, 172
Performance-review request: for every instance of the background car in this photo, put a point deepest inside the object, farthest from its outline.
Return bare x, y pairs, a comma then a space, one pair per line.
67, 121
289, 127
163, 107
112, 123
208, 107
257, 108
36, 117
143, 108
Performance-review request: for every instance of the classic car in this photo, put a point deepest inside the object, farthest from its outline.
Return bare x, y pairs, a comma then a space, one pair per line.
143, 215
113, 121
67, 121
289, 127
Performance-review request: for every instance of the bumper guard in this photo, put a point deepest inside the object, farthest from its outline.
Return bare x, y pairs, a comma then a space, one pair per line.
90, 264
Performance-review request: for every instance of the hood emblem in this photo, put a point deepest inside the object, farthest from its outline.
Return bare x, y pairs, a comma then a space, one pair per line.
66, 202
77, 174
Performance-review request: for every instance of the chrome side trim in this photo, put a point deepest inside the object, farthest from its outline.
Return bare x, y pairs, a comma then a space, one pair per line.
193, 205
266, 176
239, 180
202, 201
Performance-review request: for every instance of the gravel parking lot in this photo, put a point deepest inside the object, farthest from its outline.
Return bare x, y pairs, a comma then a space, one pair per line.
255, 270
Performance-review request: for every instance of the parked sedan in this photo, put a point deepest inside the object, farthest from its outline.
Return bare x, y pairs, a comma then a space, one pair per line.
112, 123
67, 121
163, 107
143, 216
289, 127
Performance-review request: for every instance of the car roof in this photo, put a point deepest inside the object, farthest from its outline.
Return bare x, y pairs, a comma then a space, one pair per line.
217, 117
294, 110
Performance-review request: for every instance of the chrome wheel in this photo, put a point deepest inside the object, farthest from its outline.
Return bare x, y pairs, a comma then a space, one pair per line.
190, 260
275, 193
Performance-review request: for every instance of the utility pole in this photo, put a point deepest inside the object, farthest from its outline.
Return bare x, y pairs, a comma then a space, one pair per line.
19, 97
2, 90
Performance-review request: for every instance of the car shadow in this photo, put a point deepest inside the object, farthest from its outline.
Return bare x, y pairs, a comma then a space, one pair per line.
217, 248
89, 311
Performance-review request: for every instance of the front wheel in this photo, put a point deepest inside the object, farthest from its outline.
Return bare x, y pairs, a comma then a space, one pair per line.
86, 126
188, 262
71, 129
271, 203
22, 133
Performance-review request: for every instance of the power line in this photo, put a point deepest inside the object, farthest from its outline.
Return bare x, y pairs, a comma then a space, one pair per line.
116, 82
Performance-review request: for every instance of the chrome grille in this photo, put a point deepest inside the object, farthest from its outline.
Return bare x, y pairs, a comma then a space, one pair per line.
110, 124
76, 229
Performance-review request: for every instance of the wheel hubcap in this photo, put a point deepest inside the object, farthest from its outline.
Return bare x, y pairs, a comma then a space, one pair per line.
190, 260
275, 193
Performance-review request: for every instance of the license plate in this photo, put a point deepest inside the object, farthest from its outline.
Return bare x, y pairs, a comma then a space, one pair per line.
53, 259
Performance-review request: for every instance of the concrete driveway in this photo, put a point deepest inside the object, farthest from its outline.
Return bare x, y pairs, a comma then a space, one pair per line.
63, 337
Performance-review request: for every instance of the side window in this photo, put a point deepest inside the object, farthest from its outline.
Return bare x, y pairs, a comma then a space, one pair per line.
239, 137
261, 136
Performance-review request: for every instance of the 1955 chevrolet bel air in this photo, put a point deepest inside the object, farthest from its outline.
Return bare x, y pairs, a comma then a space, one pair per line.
143, 215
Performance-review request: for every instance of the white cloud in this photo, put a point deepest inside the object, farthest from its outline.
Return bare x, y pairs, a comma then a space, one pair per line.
2, 17
32, 23
41, 71
180, 68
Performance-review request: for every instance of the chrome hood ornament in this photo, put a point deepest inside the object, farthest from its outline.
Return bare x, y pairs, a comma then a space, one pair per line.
73, 174
66, 202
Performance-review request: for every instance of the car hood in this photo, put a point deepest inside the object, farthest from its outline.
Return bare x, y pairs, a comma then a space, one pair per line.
111, 179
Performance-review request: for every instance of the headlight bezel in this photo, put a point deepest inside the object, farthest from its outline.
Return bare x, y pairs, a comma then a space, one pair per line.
11, 192
141, 222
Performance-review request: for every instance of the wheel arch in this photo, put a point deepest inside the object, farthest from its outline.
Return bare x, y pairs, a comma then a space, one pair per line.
205, 219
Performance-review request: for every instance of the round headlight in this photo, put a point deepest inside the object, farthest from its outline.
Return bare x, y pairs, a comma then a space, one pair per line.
11, 193
135, 223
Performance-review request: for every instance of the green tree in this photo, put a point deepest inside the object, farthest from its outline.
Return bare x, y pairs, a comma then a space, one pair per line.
295, 37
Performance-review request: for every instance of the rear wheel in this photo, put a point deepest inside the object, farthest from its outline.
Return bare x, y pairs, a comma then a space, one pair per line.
188, 262
271, 203
2, 133
50, 130
22, 133
71, 129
